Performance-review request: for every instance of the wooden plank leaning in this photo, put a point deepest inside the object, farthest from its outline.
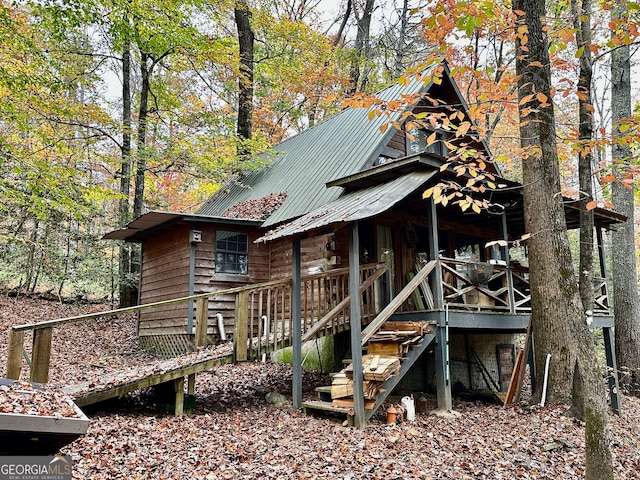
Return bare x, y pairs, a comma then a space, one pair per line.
390, 309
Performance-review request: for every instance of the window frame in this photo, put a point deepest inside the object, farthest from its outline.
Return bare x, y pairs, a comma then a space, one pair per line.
231, 264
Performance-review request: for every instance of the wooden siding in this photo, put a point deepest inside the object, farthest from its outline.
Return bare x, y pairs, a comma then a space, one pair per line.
206, 279
165, 275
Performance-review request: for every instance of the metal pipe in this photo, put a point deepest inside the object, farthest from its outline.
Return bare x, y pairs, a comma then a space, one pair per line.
546, 378
223, 334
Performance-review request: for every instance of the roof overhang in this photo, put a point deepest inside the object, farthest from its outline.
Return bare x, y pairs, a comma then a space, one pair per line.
354, 206
152, 222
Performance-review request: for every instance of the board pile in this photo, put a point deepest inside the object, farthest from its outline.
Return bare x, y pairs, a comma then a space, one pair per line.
386, 350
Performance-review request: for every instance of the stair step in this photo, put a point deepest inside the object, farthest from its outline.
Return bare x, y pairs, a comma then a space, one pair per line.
325, 406
324, 393
320, 406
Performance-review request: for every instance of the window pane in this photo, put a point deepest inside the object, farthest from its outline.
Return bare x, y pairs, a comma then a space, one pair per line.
231, 252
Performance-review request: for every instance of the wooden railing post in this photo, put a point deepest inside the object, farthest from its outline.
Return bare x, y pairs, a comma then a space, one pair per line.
14, 355
241, 334
41, 355
202, 320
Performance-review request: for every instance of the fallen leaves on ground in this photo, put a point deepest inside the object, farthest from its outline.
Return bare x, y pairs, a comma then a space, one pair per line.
234, 433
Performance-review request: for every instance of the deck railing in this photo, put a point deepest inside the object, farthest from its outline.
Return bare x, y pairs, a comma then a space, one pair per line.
480, 286
484, 286
263, 317
325, 307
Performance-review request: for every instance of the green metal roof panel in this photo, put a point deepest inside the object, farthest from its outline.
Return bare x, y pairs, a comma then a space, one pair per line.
340, 146
353, 206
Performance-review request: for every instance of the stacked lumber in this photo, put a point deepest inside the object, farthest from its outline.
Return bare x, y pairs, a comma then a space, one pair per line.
395, 338
375, 368
342, 386
386, 348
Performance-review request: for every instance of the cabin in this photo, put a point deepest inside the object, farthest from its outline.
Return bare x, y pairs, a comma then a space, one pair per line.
339, 208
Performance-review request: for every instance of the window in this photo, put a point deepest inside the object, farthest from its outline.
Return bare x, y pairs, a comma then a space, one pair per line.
418, 143
231, 252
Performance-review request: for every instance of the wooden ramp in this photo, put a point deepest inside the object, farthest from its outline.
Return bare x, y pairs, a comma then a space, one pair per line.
90, 392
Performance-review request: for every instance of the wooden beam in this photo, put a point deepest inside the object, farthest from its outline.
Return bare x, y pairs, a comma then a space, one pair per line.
41, 355
296, 318
178, 385
356, 327
14, 354
434, 253
241, 331
202, 319
443, 381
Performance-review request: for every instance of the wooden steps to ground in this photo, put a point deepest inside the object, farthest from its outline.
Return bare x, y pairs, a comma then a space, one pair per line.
395, 344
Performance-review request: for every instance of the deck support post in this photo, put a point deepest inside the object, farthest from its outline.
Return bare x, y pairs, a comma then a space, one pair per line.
41, 355
612, 374
443, 383
14, 354
505, 255
434, 254
178, 385
359, 419
296, 319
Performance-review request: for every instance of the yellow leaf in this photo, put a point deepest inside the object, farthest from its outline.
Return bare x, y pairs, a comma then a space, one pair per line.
427, 193
371, 115
431, 138
475, 207
383, 127
444, 166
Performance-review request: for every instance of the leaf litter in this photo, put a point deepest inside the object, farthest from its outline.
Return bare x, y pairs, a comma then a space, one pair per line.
234, 433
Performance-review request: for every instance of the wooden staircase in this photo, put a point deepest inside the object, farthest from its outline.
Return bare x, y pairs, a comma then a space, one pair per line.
392, 351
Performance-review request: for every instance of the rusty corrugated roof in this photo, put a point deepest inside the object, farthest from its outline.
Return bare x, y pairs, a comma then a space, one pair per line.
353, 206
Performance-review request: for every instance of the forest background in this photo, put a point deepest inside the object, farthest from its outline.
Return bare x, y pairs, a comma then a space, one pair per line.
113, 108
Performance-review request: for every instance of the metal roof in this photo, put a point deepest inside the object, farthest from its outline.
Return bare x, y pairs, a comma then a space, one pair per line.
340, 146
152, 221
357, 205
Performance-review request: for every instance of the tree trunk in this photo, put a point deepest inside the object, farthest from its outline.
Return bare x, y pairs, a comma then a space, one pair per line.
556, 309
361, 49
398, 64
245, 80
625, 279
582, 23
141, 142
127, 291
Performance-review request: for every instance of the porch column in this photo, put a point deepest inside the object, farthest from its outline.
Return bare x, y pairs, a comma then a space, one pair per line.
356, 327
505, 254
443, 382
434, 254
443, 385
296, 322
